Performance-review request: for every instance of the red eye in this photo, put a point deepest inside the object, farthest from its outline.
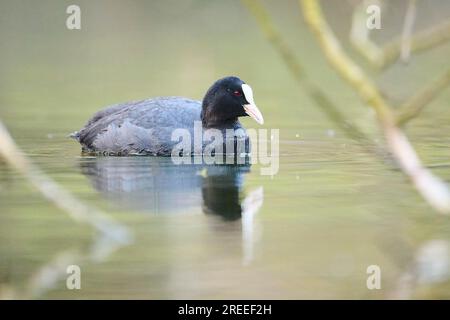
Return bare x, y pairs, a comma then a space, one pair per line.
237, 93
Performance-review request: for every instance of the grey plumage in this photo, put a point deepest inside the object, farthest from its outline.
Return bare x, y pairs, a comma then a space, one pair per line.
142, 127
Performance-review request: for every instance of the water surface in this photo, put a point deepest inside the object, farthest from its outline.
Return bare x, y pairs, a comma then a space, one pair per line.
310, 231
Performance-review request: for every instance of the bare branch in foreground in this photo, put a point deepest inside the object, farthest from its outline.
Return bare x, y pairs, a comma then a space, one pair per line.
288, 57
433, 190
57, 194
408, 26
382, 56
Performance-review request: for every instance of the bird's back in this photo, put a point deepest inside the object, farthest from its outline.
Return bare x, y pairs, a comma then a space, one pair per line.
141, 127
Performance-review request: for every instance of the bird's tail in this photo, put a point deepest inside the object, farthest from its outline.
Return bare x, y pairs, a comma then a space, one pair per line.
75, 135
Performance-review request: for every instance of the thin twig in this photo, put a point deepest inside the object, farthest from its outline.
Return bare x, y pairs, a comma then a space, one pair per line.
408, 26
414, 106
383, 56
421, 41
434, 191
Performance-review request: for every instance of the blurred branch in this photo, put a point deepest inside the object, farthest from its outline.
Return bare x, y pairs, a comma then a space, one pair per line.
288, 57
383, 56
414, 106
421, 41
267, 27
55, 193
408, 26
433, 190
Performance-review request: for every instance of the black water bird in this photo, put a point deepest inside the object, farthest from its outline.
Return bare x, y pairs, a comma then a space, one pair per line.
146, 127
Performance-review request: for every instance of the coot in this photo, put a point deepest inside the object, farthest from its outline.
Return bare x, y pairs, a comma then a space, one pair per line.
146, 127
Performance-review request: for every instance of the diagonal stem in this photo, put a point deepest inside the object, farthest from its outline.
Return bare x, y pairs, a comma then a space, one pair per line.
414, 106
421, 41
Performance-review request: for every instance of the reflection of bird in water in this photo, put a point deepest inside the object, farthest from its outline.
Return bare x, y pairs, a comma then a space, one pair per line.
157, 185
221, 194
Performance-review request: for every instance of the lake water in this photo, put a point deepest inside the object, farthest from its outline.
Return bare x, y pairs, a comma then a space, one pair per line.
207, 232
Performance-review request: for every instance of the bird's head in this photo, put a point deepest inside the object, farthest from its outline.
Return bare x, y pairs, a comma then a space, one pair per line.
226, 100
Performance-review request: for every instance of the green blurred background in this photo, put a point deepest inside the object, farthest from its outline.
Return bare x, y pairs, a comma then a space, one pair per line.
331, 211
